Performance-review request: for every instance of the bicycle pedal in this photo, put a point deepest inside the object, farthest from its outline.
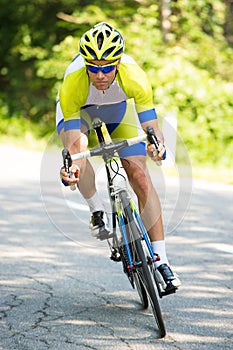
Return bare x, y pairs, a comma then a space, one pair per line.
115, 256
170, 289
137, 264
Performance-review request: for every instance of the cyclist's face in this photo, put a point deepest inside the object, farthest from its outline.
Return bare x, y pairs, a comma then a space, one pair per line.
102, 80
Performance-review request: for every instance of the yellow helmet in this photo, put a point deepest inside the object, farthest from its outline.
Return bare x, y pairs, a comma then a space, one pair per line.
102, 42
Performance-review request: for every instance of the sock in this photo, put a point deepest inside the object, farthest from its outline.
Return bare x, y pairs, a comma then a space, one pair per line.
95, 203
158, 247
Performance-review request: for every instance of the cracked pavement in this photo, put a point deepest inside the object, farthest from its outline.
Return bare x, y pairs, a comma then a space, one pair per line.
60, 291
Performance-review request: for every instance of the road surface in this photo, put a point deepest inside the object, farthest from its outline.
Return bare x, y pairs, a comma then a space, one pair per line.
60, 291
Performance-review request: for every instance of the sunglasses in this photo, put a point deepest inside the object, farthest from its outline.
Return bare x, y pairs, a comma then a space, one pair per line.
107, 68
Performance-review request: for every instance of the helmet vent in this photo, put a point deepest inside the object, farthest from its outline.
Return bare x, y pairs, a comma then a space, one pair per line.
119, 52
90, 51
115, 39
107, 52
87, 38
100, 40
94, 33
107, 25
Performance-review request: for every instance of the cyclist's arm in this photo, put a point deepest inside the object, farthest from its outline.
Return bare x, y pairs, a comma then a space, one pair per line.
75, 80
71, 139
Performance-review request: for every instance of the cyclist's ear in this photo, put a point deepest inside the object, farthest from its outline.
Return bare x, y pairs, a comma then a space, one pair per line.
118, 64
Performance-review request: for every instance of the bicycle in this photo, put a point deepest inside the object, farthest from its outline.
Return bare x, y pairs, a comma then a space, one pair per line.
128, 240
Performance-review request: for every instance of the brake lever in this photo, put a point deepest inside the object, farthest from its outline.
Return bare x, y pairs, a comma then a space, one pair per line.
67, 161
152, 139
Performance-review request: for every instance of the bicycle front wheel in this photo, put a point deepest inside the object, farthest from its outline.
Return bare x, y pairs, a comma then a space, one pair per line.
141, 290
147, 280
142, 269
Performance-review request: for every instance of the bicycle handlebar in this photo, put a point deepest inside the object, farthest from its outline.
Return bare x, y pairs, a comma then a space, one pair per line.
108, 150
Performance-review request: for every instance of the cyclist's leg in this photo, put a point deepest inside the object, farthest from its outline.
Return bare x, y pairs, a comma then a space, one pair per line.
148, 201
87, 185
134, 161
150, 211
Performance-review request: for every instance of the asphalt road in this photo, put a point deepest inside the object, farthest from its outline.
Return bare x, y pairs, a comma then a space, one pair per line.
60, 291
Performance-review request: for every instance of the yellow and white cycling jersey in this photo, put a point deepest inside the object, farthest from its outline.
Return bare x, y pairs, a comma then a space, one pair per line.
126, 104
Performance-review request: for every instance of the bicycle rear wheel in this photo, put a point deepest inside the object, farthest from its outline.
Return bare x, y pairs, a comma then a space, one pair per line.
142, 269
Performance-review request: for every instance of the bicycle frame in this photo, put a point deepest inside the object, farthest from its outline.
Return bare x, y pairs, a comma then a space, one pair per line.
114, 189
108, 153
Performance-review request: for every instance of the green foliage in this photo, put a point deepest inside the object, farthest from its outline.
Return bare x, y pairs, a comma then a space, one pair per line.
191, 74
203, 105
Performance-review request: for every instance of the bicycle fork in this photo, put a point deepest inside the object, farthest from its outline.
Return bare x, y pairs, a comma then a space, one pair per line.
153, 257
133, 210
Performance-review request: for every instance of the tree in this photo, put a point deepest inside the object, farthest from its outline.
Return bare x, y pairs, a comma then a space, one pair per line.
228, 25
180, 43
165, 12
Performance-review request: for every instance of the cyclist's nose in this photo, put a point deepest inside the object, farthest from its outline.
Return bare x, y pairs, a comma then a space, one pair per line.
100, 74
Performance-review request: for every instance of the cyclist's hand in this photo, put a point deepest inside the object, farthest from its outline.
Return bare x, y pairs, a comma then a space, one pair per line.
156, 155
74, 175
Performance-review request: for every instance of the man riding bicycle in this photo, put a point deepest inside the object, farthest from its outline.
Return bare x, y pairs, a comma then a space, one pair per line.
104, 82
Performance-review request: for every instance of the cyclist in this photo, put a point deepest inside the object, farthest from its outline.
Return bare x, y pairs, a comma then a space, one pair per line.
104, 82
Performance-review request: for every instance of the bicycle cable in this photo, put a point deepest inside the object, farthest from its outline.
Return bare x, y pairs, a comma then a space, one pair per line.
117, 170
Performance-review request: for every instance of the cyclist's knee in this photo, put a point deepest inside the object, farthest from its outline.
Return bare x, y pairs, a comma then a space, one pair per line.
83, 142
137, 173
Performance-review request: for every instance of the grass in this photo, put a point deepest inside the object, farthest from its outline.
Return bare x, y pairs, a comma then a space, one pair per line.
214, 174
28, 142
209, 173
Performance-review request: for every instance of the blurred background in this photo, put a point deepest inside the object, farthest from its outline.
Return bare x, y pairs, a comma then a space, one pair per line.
185, 46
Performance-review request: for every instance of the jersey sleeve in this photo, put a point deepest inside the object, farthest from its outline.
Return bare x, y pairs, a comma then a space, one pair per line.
73, 94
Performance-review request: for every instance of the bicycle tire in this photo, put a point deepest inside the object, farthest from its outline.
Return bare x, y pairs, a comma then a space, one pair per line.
147, 279
144, 272
141, 291
132, 276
